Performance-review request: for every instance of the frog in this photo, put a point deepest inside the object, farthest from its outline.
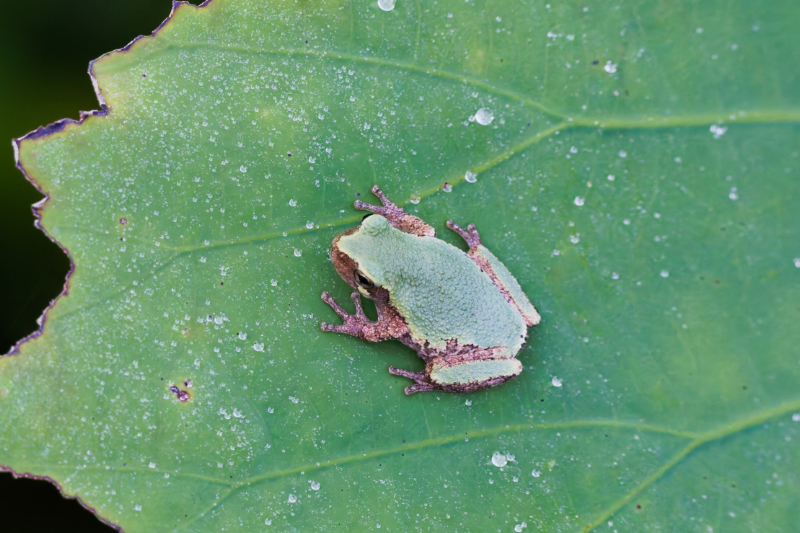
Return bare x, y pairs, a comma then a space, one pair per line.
463, 313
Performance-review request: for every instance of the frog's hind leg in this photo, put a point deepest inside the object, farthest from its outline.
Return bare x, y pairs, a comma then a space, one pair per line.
420, 385
497, 271
396, 216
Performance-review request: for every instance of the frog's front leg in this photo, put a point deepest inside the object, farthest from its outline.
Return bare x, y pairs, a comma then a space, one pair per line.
396, 216
357, 325
497, 271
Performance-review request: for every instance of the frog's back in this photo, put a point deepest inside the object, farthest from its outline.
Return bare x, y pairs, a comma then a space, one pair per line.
439, 290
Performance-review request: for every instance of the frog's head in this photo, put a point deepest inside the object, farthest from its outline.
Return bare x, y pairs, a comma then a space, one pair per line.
346, 262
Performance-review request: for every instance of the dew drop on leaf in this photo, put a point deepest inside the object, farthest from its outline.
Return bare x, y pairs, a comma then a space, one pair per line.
483, 116
499, 459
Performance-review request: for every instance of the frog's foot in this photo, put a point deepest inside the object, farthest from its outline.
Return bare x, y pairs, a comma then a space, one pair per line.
357, 325
470, 235
420, 385
396, 216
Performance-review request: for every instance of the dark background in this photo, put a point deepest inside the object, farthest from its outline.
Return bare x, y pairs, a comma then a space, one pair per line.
45, 49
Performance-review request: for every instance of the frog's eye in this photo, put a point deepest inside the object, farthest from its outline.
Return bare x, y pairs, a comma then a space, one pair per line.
362, 280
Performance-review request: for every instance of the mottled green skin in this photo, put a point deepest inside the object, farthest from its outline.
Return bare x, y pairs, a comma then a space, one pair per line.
475, 371
510, 283
437, 288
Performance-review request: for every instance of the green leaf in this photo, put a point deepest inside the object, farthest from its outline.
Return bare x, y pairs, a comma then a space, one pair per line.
639, 178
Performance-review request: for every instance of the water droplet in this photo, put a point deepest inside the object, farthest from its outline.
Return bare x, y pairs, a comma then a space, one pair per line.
536, 473
314, 485
447, 187
309, 225
733, 194
293, 203
268, 521
797, 262
293, 399
498, 459
622, 153
242, 169
311, 160
386, 5
242, 335
202, 259
468, 403
273, 282
579, 201
718, 130
519, 527
415, 198
483, 116
796, 417
259, 346
611, 177
665, 273
575, 239
470, 176
292, 498
152, 465
614, 275
610, 67
237, 413
137, 508
556, 382
297, 253
573, 150
218, 320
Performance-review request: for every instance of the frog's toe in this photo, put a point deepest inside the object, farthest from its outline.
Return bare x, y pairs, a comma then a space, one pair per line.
328, 299
416, 376
336, 329
382, 197
418, 387
356, 296
470, 235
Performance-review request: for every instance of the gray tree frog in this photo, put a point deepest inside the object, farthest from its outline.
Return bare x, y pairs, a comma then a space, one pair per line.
463, 313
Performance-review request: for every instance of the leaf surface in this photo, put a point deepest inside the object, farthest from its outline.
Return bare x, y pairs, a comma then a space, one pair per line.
639, 178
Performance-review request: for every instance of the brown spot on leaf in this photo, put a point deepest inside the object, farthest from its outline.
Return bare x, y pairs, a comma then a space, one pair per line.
181, 395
